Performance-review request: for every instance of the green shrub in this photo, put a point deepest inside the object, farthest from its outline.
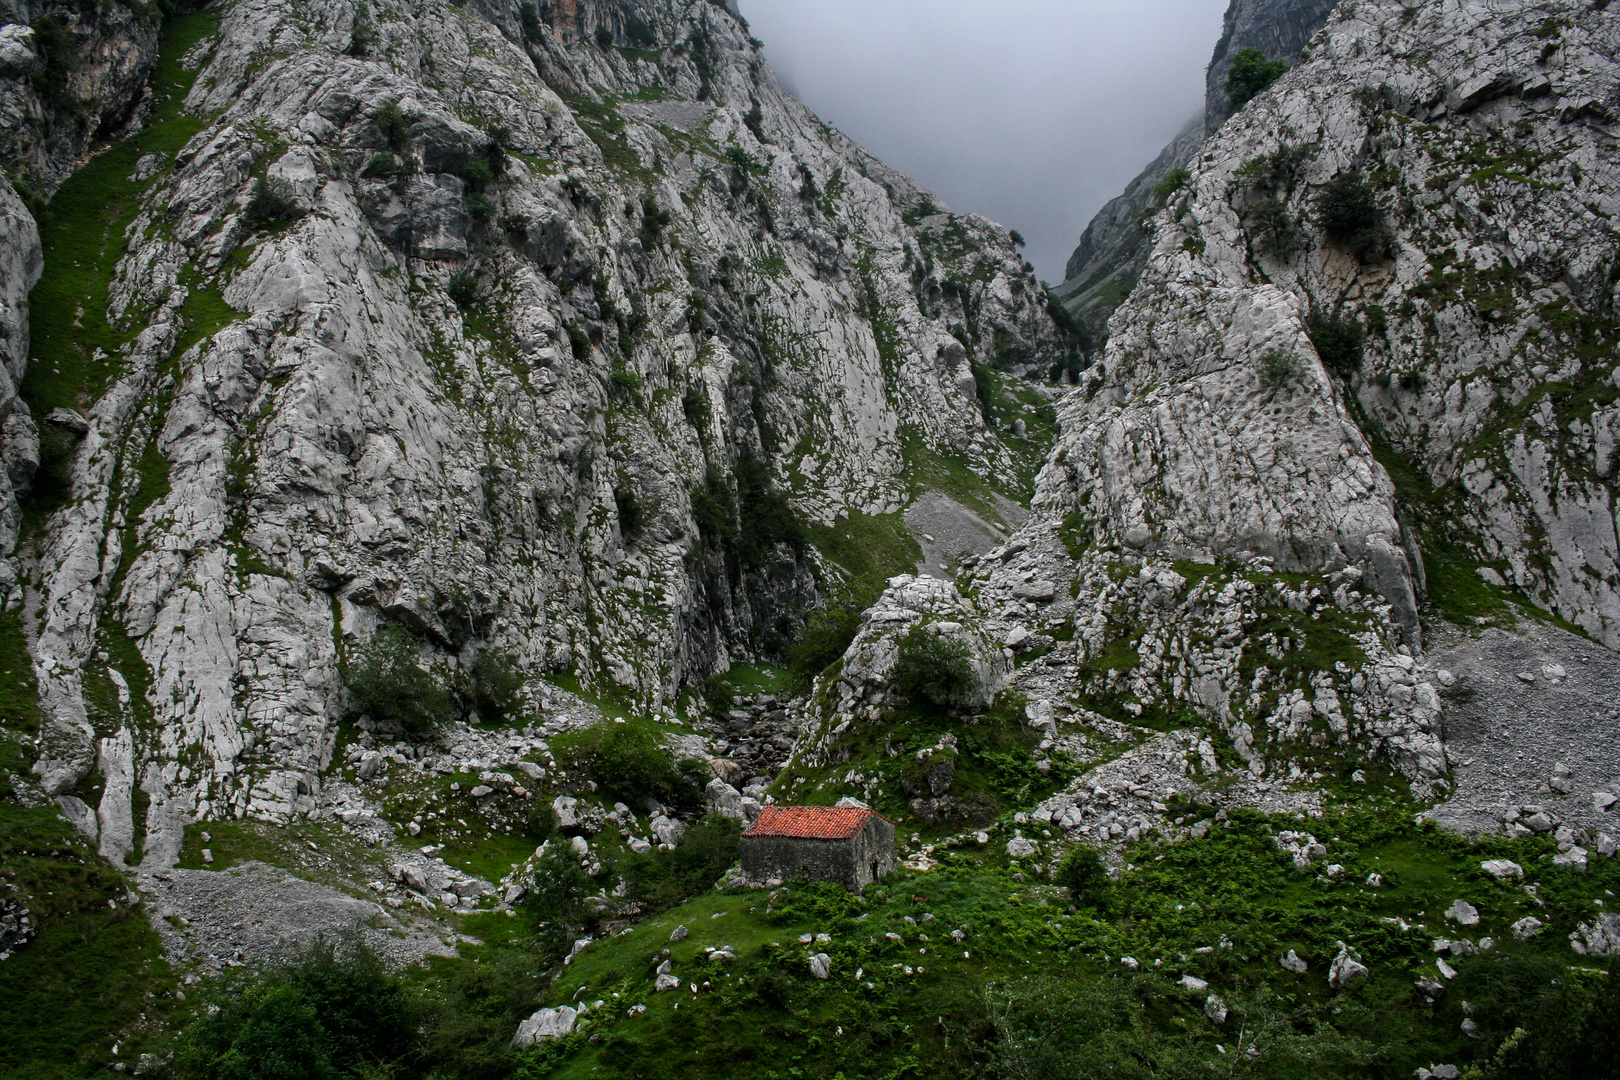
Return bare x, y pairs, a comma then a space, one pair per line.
362, 34
530, 21
695, 404
1251, 73
934, 669
324, 1015
463, 289
1338, 340
471, 1015
654, 220
394, 128
387, 682
662, 879
494, 684
631, 764
53, 44
1278, 171
632, 518
1275, 230
765, 518
272, 201
1083, 874
1173, 181
558, 893
826, 637
1349, 212
540, 823
1278, 369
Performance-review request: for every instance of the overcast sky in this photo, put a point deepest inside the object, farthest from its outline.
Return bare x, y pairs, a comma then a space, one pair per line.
1031, 112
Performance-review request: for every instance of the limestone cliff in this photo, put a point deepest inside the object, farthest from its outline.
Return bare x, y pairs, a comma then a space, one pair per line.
1372, 356
1114, 249
530, 329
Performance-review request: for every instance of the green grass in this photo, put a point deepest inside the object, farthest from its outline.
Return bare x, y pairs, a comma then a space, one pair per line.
95, 971
1223, 908
868, 548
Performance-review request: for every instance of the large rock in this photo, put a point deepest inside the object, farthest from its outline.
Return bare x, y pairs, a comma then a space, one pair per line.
545, 1024
862, 687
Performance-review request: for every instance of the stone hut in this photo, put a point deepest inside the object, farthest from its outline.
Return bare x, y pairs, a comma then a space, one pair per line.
847, 844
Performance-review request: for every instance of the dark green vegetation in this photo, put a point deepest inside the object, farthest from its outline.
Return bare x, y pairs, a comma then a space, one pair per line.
1338, 339
1251, 73
82, 234
1351, 214
387, 681
94, 975
933, 669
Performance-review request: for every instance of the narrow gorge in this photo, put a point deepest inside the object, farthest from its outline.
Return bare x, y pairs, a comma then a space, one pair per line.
465, 460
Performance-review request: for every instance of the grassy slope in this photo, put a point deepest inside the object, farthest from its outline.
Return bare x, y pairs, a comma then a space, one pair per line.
762, 1015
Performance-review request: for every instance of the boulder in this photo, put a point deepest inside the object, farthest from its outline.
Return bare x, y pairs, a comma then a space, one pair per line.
1527, 927
545, 1024
1600, 937
1346, 969
820, 965
1461, 911
1502, 869
725, 800
1291, 960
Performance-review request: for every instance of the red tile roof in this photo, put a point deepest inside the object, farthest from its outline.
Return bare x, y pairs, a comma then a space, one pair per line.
811, 822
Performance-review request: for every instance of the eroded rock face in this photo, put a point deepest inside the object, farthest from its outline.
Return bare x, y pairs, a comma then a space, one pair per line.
506, 368
68, 73
19, 436
1489, 362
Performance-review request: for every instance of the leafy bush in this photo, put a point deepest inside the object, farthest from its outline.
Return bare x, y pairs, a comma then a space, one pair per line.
654, 220
558, 893
494, 683
1278, 369
1278, 171
1276, 231
323, 1015
1173, 181
470, 1016
932, 668
1541, 1021
463, 289
695, 404
1083, 874
1338, 340
540, 823
272, 200
530, 21
765, 518
630, 763
662, 879
1251, 73
362, 34
632, 518
393, 127
1350, 214
826, 637
387, 682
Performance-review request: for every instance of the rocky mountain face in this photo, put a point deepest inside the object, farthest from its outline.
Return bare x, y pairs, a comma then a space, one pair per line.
553, 330
1114, 249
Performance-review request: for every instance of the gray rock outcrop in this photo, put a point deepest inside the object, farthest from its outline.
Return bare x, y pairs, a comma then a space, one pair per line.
535, 356
1114, 249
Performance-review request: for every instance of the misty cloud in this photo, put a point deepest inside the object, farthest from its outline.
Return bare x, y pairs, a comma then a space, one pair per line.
1031, 112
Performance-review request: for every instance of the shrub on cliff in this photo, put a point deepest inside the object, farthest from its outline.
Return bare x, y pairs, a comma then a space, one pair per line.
933, 669
1351, 215
1251, 73
387, 682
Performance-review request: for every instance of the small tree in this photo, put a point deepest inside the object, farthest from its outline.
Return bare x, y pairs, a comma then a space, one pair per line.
1278, 369
272, 200
1351, 215
933, 668
1083, 874
1338, 340
494, 684
388, 682
1251, 73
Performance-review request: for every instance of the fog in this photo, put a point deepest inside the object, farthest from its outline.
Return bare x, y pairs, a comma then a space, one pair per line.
1031, 112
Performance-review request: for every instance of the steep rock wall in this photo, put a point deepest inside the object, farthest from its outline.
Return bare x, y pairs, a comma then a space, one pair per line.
1114, 249
532, 342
